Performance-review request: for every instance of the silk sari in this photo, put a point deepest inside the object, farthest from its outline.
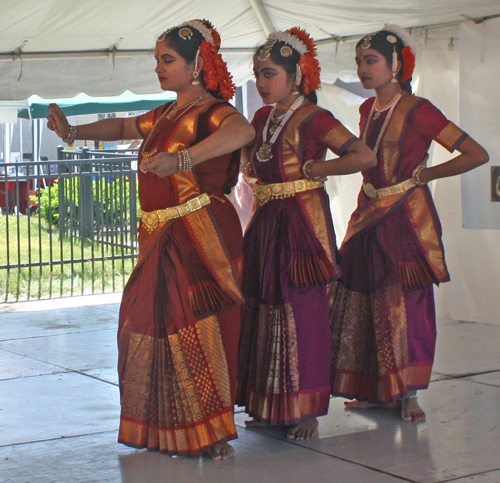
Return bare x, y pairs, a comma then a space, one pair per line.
178, 327
382, 308
290, 257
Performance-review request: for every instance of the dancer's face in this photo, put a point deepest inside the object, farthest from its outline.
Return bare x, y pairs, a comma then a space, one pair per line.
373, 70
272, 82
174, 73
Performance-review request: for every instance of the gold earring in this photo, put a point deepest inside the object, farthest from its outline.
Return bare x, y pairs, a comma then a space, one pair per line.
196, 73
298, 80
394, 65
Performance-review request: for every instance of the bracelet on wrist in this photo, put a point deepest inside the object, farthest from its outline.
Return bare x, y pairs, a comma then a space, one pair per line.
70, 139
184, 161
416, 176
306, 170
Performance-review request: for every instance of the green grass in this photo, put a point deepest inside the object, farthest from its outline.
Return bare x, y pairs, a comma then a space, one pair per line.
28, 240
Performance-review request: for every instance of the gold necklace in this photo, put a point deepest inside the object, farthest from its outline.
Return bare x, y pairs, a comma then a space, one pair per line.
170, 112
379, 109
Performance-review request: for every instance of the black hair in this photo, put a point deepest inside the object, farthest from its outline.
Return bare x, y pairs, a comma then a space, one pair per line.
288, 63
187, 48
378, 41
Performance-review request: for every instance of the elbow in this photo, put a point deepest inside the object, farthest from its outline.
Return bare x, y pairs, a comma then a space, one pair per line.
483, 157
249, 134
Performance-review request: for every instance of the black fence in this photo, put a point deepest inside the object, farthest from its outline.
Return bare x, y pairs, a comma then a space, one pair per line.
67, 227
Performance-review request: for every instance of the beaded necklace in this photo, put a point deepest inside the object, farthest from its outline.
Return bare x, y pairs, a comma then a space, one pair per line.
379, 109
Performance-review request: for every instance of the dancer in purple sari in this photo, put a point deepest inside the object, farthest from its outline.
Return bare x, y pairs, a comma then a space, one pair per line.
383, 317
290, 253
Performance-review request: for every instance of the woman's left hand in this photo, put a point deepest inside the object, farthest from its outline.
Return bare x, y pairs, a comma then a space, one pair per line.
161, 164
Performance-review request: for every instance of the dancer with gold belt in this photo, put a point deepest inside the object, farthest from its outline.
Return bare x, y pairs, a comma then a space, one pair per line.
290, 251
383, 316
179, 318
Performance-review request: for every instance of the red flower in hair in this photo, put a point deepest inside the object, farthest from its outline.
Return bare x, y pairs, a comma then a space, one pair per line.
309, 66
308, 63
215, 73
408, 64
306, 38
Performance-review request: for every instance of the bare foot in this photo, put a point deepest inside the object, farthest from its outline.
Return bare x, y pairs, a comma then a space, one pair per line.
410, 409
220, 451
306, 429
362, 405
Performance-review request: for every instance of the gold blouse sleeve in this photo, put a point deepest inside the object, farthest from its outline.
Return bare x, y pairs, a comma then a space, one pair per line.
219, 114
451, 137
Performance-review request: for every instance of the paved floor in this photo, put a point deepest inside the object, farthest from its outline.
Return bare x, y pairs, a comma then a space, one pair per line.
59, 414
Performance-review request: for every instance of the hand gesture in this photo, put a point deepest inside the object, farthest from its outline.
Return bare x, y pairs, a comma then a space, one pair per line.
161, 164
57, 121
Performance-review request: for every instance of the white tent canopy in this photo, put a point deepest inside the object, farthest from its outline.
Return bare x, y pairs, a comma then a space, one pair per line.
59, 48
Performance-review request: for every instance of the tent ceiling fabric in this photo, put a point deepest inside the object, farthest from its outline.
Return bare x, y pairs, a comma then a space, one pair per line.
67, 44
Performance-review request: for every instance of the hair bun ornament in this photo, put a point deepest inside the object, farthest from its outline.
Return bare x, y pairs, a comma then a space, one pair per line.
215, 35
408, 64
308, 63
215, 74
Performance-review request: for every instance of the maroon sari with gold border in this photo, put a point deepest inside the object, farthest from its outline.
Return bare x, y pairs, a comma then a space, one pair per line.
179, 325
290, 257
383, 317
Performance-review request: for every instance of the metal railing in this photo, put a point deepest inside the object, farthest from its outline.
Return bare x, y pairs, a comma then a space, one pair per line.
67, 227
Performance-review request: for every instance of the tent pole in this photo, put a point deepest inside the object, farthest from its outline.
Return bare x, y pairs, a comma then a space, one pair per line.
262, 16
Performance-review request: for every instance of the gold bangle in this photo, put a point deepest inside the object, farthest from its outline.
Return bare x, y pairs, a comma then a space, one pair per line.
306, 170
416, 176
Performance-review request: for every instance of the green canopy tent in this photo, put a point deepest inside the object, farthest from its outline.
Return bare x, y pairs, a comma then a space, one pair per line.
36, 107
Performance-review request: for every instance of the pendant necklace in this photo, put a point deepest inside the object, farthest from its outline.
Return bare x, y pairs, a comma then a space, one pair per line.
276, 121
264, 153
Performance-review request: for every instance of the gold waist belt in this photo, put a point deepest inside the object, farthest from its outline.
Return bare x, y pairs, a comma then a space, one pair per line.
276, 191
371, 192
151, 219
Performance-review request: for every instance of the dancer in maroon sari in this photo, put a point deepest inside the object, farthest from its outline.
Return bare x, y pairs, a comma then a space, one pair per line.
383, 317
290, 250
179, 325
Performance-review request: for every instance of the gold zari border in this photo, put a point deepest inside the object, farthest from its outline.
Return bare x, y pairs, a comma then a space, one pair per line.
450, 136
175, 391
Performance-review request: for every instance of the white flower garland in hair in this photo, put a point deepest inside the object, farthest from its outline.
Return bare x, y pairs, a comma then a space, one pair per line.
403, 34
196, 24
289, 39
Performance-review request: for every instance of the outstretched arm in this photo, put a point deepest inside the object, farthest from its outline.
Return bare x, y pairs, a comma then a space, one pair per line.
104, 130
358, 157
233, 133
472, 155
